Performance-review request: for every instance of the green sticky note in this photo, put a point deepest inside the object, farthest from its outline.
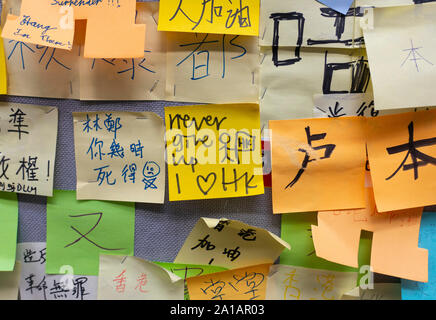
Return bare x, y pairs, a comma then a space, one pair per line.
79, 231
8, 230
189, 270
297, 231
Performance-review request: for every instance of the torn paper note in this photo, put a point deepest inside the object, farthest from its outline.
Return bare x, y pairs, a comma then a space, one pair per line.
9, 282
219, 16
394, 250
132, 278
230, 244
120, 156
79, 231
247, 283
297, 283
28, 138
213, 151
35, 284
313, 161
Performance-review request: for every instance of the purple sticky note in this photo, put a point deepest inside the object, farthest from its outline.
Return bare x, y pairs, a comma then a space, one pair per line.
341, 6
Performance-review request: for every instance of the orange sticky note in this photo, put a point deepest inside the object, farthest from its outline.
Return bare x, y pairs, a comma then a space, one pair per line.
317, 164
111, 31
402, 155
237, 284
394, 251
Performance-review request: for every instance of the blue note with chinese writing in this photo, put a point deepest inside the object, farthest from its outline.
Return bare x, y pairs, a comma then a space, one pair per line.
341, 6
414, 290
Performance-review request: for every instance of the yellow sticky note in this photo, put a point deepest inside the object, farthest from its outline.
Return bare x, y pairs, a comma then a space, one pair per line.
111, 31
230, 244
317, 164
3, 73
218, 16
238, 284
213, 151
394, 251
402, 156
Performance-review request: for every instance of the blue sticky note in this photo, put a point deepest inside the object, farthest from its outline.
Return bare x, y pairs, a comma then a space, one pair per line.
414, 290
341, 6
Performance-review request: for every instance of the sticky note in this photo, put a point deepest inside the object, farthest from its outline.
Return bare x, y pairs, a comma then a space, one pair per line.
341, 6
79, 231
200, 67
402, 56
296, 229
380, 291
132, 278
213, 151
313, 162
35, 284
186, 271
402, 156
8, 230
415, 290
3, 72
247, 283
116, 160
51, 23
9, 282
296, 283
230, 244
219, 16
27, 159
394, 250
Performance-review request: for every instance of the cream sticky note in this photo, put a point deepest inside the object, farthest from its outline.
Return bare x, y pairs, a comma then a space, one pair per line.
218, 16
312, 160
213, 151
297, 283
28, 139
120, 156
35, 284
132, 278
230, 244
9, 283
51, 23
200, 67
402, 56
247, 283
394, 250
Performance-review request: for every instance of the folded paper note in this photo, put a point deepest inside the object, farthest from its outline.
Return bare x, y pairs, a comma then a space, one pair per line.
28, 136
414, 290
79, 231
9, 282
120, 156
8, 230
296, 283
219, 16
132, 278
296, 230
213, 151
402, 156
247, 283
230, 244
111, 31
402, 55
315, 166
394, 250
35, 284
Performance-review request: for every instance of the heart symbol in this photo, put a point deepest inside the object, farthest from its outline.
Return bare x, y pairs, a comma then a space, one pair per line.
205, 181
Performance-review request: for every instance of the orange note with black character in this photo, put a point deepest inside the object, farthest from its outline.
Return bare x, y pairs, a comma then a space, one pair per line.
402, 156
318, 164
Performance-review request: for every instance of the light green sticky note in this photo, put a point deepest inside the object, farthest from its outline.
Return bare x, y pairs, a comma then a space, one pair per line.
189, 270
8, 230
297, 231
79, 231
